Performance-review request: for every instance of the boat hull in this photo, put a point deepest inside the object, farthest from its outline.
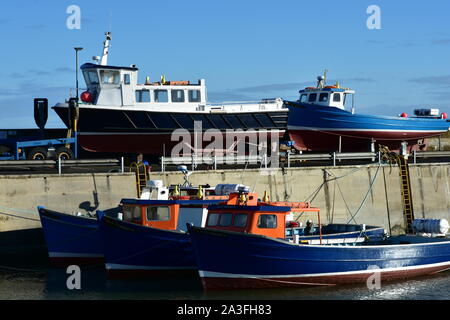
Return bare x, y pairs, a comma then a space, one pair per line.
126, 131
229, 260
71, 239
135, 249
318, 128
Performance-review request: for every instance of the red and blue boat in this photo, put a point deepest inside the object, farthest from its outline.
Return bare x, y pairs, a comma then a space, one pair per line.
324, 119
77, 238
151, 236
229, 259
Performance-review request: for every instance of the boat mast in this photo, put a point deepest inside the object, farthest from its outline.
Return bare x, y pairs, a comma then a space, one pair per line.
104, 58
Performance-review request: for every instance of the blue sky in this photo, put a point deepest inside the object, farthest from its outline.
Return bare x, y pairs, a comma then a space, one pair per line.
246, 50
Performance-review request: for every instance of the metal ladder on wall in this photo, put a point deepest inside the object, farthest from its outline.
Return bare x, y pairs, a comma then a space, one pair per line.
408, 210
141, 176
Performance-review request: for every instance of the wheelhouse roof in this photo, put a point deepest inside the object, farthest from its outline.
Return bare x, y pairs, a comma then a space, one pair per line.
322, 89
250, 208
168, 202
97, 66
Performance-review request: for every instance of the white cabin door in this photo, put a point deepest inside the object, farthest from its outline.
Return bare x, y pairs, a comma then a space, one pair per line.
127, 91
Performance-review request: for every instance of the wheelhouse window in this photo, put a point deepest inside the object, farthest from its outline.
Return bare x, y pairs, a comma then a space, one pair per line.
91, 77
303, 97
194, 96
312, 97
177, 95
161, 96
110, 77
336, 97
240, 220
158, 213
132, 214
267, 221
142, 95
323, 97
126, 78
225, 219
213, 219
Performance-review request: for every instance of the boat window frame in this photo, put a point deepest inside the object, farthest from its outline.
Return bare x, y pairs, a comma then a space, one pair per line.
259, 222
126, 78
175, 99
235, 218
310, 97
324, 94
87, 76
227, 215
190, 96
305, 95
133, 211
115, 76
140, 93
156, 95
157, 213
208, 223
337, 94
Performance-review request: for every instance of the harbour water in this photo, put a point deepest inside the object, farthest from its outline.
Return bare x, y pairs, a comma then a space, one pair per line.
50, 284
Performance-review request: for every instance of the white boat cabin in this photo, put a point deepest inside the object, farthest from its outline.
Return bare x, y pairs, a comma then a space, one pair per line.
330, 96
114, 87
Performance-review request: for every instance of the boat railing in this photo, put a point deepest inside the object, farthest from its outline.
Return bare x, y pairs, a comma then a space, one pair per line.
261, 104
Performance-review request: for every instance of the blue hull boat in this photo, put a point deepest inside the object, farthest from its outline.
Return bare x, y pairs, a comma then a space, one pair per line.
319, 128
71, 239
135, 249
320, 120
228, 260
151, 236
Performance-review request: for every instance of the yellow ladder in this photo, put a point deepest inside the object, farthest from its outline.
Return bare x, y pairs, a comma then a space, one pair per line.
141, 176
408, 210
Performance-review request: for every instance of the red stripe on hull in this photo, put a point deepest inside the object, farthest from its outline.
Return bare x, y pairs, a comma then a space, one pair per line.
216, 283
306, 140
147, 143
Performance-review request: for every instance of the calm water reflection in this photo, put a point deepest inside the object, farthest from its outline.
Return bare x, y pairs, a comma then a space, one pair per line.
51, 284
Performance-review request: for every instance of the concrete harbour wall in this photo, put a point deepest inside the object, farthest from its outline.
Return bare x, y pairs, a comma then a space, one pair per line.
71, 193
348, 194
343, 193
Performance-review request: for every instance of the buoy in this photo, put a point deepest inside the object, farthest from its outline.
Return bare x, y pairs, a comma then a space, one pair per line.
404, 115
443, 115
86, 96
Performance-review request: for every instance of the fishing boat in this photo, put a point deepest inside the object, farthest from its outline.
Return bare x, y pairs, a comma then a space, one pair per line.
117, 114
151, 237
230, 259
324, 119
71, 239
76, 238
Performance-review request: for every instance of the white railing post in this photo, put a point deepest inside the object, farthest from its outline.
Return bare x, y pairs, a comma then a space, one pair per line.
59, 165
